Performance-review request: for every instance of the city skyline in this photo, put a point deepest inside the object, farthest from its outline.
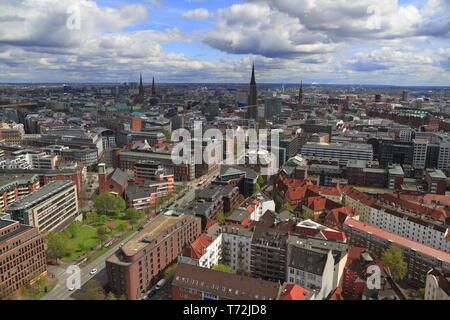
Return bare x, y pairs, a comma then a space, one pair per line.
402, 43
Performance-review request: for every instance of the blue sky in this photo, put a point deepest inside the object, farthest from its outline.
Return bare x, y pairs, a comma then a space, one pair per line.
404, 42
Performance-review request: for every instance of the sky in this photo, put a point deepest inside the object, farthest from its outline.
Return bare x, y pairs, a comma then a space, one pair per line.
389, 42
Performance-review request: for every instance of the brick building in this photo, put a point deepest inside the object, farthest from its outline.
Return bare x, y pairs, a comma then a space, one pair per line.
195, 283
116, 182
420, 258
22, 256
137, 265
13, 187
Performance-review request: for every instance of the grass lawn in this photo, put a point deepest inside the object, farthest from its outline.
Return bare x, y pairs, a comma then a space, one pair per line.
37, 290
124, 235
87, 236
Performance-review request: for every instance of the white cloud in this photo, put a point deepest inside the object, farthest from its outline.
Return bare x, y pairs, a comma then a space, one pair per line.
196, 14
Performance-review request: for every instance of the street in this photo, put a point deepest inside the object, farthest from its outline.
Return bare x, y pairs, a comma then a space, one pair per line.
61, 292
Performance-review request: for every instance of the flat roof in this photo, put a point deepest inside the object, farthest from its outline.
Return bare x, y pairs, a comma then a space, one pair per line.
159, 225
436, 174
45, 192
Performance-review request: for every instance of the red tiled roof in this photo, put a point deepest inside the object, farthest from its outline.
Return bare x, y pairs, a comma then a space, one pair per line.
337, 235
353, 254
198, 246
294, 292
210, 224
398, 240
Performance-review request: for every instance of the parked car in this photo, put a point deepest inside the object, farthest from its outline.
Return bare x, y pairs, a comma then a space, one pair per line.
93, 271
160, 284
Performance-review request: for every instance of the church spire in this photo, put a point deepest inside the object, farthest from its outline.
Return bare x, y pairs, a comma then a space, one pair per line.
253, 81
153, 100
300, 94
140, 97
252, 111
153, 87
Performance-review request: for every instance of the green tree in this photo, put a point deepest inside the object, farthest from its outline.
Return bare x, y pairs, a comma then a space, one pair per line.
111, 296
393, 258
309, 215
286, 207
134, 215
223, 268
108, 203
84, 247
170, 272
167, 134
73, 229
92, 291
56, 246
260, 180
91, 217
102, 234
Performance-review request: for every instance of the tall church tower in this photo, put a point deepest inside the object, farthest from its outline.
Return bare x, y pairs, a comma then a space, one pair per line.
153, 100
300, 94
252, 94
140, 97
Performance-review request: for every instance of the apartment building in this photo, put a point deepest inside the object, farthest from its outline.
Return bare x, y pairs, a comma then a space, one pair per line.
22, 256
128, 159
13, 187
436, 181
315, 264
49, 208
236, 248
420, 258
338, 151
268, 254
138, 264
408, 223
195, 283
206, 250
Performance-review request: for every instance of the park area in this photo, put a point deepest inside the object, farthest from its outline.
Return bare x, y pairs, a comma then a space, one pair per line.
110, 221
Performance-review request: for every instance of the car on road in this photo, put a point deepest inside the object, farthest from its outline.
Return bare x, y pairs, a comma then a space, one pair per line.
160, 284
93, 271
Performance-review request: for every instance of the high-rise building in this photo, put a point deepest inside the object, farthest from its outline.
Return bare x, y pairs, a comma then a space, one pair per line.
272, 108
405, 95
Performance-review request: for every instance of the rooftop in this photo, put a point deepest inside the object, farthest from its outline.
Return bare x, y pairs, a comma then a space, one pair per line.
151, 231
399, 240
225, 284
45, 192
